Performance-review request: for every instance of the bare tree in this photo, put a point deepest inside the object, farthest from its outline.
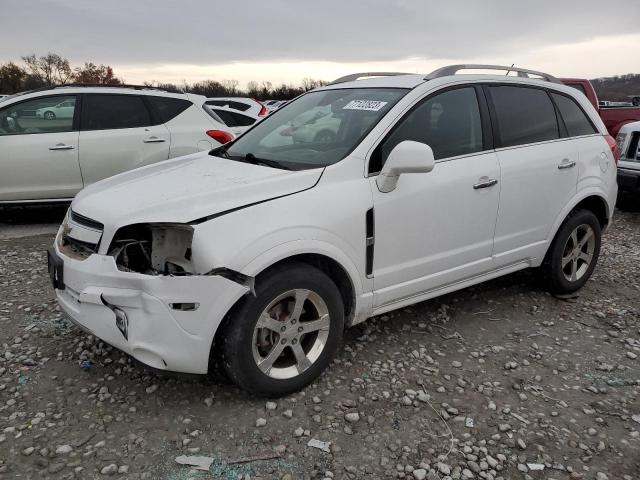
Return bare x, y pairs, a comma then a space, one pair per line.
51, 68
11, 78
99, 74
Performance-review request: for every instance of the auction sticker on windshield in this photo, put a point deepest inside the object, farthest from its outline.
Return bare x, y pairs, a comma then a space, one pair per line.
370, 105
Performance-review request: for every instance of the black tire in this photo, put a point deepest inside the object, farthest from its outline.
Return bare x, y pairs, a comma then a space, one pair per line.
49, 115
553, 274
237, 341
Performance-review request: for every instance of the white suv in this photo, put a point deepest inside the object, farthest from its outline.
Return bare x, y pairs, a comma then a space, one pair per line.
259, 256
55, 141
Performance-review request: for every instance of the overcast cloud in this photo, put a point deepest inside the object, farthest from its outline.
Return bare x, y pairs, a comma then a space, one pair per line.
135, 35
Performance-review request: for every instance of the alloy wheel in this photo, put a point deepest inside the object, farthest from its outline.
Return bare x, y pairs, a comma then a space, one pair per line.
578, 252
291, 334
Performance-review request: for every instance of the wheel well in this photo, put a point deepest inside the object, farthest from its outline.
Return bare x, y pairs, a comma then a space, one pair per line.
332, 269
329, 266
596, 205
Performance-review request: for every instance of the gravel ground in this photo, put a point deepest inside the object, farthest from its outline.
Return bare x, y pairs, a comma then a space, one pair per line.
496, 381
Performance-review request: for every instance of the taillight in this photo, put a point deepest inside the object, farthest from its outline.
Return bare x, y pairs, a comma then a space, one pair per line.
263, 109
220, 136
613, 145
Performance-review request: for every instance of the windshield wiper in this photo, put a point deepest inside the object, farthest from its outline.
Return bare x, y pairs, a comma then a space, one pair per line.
251, 158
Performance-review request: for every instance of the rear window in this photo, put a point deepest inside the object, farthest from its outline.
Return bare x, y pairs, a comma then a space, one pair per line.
243, 107
106, 112
167, 108
575, 119
524, 115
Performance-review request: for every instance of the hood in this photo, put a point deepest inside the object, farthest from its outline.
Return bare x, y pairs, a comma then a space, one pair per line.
185, 189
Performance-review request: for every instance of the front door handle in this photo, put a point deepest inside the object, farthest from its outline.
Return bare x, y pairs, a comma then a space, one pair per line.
490, 182
154, 140
566, 164
61, 146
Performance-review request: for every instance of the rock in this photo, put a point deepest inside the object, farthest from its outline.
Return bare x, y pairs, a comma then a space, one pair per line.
419, 474
109, 469
151, 389
352, 417
64, 449
261, 422
270, 406
28, 451
456, 364
444, 468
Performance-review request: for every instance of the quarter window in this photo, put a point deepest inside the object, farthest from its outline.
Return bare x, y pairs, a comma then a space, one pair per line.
574, 118
40, 115
449, 123
524, 115
106, 112
167, 108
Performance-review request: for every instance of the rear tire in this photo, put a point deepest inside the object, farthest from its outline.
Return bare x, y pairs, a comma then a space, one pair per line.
282, 339
573, 253
48, 115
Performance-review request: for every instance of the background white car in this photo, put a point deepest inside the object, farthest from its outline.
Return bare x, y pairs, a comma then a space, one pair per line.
238, 122
248, 106
50, 151
64, 109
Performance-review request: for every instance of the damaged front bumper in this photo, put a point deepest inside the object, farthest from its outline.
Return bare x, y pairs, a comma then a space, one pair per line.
169, 321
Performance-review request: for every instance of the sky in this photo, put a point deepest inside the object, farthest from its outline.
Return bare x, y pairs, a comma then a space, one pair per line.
288, 40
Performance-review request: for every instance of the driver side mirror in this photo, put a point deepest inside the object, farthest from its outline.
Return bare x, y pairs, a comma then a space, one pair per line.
406, 157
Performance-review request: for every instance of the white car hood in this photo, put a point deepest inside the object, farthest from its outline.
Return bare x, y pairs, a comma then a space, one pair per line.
186, 189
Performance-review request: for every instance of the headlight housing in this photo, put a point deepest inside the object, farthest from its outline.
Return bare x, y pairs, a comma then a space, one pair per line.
153, 249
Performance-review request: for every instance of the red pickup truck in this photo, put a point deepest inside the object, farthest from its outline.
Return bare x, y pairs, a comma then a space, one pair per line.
613, 117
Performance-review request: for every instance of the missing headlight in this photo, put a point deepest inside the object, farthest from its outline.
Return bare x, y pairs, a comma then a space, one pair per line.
154, 249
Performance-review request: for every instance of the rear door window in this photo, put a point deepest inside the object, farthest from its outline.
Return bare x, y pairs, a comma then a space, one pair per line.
523, 115
575, 119
107, 112
168, 108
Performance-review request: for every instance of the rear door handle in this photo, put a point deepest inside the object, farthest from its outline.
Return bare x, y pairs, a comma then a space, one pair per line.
154, 140
485, 183
61, 146
566, 164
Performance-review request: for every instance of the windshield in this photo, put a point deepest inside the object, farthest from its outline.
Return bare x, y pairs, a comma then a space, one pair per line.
318, 129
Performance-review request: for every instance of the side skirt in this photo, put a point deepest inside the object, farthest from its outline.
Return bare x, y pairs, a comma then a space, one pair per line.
452, 287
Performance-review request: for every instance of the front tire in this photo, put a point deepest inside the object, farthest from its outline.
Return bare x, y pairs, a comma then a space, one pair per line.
282, 339
48, 115
574, 253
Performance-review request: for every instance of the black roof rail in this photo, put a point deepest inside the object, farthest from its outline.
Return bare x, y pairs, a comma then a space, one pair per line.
356, 76
522, 72
121, 85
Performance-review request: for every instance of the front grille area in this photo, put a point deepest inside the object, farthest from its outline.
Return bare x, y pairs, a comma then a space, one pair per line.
81, 236
86, 222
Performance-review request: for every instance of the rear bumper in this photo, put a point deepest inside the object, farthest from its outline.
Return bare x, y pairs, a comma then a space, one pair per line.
628, 179
157, 334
